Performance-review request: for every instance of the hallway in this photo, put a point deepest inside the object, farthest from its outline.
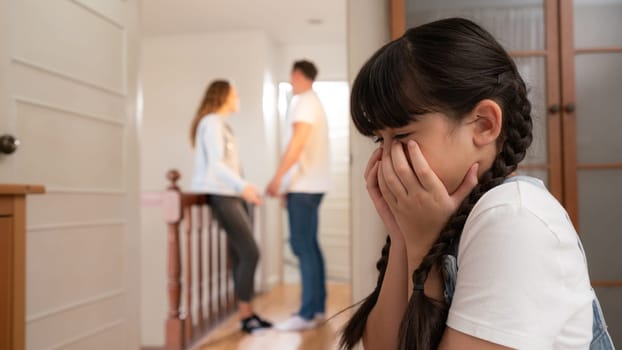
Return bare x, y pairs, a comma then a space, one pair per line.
277, 305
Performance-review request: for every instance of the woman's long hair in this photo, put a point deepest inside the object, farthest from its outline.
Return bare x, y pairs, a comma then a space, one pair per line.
445, 66
215, 97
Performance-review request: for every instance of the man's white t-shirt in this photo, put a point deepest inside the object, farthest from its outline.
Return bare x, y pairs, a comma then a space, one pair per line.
522, 278
311, 174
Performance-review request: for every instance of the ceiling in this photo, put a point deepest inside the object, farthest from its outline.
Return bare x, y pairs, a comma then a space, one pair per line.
285, 21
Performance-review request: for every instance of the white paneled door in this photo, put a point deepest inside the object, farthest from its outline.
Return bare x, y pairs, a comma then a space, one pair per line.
68, 92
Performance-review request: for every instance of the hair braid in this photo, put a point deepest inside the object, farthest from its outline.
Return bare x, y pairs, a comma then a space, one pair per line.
354, 329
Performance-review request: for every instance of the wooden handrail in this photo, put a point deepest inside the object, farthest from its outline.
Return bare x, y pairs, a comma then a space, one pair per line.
193, 318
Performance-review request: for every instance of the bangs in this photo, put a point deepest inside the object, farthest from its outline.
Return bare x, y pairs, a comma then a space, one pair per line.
387, 93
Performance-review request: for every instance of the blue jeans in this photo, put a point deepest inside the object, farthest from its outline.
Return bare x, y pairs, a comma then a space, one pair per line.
303, 210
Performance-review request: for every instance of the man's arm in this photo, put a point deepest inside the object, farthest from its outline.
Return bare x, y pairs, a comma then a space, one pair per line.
301, 132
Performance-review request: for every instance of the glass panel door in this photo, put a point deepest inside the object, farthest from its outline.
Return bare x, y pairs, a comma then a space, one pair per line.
593, 120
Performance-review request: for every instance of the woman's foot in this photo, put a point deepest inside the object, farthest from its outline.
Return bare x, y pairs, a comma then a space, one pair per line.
255, 324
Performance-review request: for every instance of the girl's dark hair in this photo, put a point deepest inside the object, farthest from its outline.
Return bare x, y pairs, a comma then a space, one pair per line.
445, 66
215, 96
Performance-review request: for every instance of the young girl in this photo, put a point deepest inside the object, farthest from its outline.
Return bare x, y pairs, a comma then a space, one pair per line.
218, 173
476, 256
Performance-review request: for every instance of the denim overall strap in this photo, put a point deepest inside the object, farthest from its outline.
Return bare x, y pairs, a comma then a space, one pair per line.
601, 340
450, 273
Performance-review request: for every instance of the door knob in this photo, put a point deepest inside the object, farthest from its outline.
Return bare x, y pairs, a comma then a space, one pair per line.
554, 109
8, 144
569, 108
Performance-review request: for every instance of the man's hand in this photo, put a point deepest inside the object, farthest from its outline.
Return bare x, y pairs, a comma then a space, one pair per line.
273, 187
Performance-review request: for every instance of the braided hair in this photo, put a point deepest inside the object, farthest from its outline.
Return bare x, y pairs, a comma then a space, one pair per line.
445, 66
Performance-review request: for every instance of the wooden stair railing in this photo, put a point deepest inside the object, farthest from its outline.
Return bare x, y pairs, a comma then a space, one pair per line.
185, 325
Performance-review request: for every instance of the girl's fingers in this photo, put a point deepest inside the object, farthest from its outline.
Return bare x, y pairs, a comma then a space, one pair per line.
379, 202
372, 178
402, 168
427, 178
384, 190
375, 157
391, 179
468, 183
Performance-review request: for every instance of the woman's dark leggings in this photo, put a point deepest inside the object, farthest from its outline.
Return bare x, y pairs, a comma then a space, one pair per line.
233, 215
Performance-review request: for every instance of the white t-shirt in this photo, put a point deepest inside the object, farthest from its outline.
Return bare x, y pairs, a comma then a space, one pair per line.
311, 174
522, 278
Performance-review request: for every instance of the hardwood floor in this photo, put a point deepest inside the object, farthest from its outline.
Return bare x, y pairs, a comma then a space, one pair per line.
278, 305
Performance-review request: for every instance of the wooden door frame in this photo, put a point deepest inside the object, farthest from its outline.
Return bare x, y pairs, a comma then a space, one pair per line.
398, 18
554, 122
569, 122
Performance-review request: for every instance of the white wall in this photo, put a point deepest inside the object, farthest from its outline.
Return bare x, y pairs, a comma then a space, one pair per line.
331, 60
269, 272
175, 73
368, 29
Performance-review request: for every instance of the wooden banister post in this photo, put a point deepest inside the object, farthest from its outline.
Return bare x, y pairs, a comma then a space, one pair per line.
187, 217
174, 325
219, 274
210, 270
200, 267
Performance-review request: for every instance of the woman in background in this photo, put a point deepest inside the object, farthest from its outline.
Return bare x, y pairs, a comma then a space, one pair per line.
218, 173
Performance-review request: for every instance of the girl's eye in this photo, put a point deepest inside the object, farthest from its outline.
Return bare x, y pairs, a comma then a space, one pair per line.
378, 139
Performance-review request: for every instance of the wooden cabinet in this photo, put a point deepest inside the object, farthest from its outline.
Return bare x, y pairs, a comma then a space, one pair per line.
13, 264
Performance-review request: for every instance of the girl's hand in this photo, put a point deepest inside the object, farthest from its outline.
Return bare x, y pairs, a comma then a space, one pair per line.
375, 193
416, 196
251, 194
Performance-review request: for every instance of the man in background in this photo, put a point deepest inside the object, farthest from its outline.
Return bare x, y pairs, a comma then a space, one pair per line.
306, 164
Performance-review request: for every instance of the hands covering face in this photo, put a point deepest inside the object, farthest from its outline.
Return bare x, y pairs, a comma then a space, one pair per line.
411, 200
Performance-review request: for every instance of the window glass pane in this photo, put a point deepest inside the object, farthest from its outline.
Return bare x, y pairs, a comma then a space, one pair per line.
598, 94
517, 24
597, 23
599, 218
